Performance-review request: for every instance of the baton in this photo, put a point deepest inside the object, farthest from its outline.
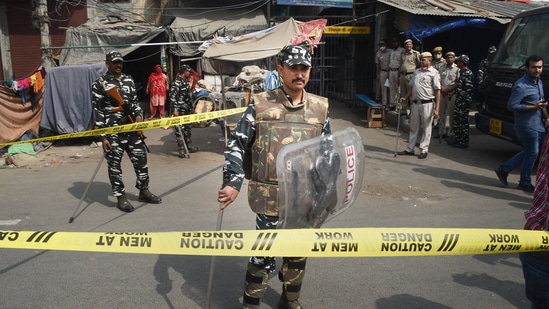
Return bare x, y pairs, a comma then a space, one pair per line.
178, 128
398, 128
86, 191
212, 263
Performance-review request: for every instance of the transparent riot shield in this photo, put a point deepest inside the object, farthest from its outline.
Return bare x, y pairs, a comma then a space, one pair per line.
319, 178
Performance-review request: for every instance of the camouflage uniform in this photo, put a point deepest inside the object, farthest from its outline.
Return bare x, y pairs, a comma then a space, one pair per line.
180, 99
482, 67
120, 142
269, 123
464, 97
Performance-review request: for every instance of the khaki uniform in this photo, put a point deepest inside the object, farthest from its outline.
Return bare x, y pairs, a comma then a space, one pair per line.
409, 63
394, 67
424, 84
448, 77
382, 67
438, 64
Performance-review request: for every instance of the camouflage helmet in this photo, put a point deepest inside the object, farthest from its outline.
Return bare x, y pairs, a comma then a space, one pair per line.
463, 58
185, 67
295, 54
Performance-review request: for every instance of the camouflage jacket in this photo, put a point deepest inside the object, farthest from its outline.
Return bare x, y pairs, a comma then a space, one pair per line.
256, 130
482, 67
103, 103
180, 96
464, 91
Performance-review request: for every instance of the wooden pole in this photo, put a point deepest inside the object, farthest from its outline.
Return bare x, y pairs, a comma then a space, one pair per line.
44, 22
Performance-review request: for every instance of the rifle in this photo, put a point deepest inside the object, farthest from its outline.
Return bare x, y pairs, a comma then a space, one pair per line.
112, 91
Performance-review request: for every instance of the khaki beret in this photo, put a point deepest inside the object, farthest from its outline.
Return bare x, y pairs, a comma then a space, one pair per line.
437, 49
450, 53
408, 40
425, 54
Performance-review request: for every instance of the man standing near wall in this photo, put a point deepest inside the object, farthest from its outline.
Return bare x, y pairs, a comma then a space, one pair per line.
408, 64
448, 78
425, 93
464, 97
394, 67
382, 71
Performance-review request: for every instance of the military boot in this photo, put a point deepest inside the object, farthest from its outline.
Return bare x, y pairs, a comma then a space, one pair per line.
182, 152
146, 196
190, 145
123, 204
192, 148
284, 303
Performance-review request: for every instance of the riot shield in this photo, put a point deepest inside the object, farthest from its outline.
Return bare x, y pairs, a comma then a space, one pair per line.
319, 178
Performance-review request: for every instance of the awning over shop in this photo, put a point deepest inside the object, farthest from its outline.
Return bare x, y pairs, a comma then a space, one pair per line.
500, 11
420, 34
192, 25
90, 42
253, 46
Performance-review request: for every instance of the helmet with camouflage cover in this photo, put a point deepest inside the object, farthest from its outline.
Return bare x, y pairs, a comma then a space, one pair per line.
463, 58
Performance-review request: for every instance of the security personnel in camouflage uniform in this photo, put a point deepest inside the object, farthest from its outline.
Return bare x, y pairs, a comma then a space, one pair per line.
114, 145
274, 119
464, 96
180, 99
483, 66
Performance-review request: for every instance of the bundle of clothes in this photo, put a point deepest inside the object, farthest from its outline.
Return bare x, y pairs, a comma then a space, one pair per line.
33, 83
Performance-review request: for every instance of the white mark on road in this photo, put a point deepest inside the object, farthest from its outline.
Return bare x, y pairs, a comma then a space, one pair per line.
10, 222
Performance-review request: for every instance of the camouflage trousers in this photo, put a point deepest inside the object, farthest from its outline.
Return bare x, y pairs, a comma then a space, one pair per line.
182, 131
133, 145
461, 121
291, 273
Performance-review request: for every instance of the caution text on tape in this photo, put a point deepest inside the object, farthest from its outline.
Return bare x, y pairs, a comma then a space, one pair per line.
352, 242
145, 125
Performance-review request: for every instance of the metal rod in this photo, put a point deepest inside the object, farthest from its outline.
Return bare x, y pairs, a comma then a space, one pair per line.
398, 128
122, 45
71, 219
212, 263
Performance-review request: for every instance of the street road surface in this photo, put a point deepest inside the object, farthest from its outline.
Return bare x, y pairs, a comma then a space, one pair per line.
452, 188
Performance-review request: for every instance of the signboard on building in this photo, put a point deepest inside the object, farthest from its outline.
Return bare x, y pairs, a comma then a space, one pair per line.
333, 3
347, 30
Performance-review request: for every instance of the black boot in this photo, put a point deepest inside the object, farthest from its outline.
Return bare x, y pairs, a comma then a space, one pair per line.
190, 146
146, 196
182, 152
123, 204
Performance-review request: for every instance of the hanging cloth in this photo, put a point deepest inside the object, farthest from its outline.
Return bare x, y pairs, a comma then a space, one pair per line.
39, 82
23, 86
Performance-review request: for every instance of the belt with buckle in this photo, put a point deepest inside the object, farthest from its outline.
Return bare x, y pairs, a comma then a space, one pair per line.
423, 101
383, 70
394, 69
407, 73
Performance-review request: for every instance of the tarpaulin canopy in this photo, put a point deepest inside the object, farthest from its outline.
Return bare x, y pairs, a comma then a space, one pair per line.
67, 104
253, 46
200, 25
420, 34
90, 42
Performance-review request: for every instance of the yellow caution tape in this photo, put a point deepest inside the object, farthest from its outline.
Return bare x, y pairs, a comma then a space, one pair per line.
145, 125
352, 242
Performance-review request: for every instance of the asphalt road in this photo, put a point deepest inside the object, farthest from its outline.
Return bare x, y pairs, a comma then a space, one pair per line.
452, 188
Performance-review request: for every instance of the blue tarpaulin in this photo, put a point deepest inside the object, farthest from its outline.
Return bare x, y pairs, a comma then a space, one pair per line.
420, 34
